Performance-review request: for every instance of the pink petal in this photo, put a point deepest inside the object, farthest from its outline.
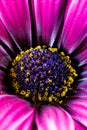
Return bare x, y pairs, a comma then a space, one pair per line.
15, 113
4, 36
78, 110
2, 74
15, 16
53, 118
5, 57
48, 17
82, 57
75, 25
78, 126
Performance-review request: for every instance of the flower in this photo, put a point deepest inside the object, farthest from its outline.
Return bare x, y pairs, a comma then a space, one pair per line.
54, 23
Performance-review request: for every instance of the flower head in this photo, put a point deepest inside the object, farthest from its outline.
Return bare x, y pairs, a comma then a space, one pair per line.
43, 67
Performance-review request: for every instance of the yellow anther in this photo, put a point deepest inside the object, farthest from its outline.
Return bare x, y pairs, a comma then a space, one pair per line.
53, 49
65, 88
75, 74
55, 99
27, 51
22, 68
27, 79
62, 53
65, 81
31, 49
49, 80
12, 70
38, 48
23, 92
21, 63
50, 98
58, 94
18, 58
28, 73
39, 97
34, 80
28, 93
15, 85
68, 83
71, 80
14, 62
46, 94
13, 75
22, 52
63, 94
41, 84
71, 69
67, 58
61, 101
30, 55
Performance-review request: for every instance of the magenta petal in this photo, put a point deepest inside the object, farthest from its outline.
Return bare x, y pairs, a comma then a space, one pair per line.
53, 118
2, 74
78, 110
48, 16
78, 126
15, 113
4, 36
82, 57
16, 18
75, 25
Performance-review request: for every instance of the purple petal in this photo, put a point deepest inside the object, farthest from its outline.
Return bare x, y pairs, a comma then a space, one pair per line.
16, 18
78, 126
53, 118
48, 19
82, 57
2, 75
75, 25
15, 113
4, 36
78, 110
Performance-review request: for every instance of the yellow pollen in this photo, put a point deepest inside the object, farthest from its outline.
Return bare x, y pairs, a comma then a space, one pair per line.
23, 92
28, 93
62, 53
22, 52
53, 49
49, 80
27, 73
30, 55
27, 79
44, 93
22, 68
38, 48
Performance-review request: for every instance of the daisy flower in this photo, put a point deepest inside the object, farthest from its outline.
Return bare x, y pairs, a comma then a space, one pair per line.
43, 65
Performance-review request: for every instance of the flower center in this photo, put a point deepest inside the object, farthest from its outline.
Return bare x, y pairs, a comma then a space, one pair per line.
42, 75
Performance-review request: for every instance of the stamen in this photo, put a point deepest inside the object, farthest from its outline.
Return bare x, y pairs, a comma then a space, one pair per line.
42, 75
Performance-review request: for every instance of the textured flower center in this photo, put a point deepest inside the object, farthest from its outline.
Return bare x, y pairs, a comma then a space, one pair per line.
42, 75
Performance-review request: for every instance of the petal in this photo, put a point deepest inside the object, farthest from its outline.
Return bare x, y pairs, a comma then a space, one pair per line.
15, 113
4, 36
82, 57
80, 92
53, 118
5, 57
6, 42
78, 126
78, 110
2, 75
15, 16
75, 25
48, 16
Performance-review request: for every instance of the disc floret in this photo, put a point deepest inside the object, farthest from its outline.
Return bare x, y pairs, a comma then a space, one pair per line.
42, 74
